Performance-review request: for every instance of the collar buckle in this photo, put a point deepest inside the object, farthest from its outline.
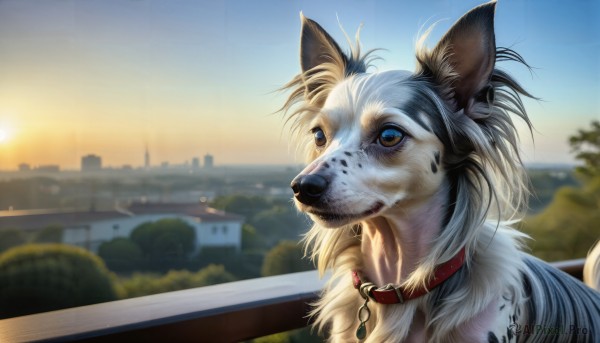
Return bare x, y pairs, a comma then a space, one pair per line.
397, 290
365, 290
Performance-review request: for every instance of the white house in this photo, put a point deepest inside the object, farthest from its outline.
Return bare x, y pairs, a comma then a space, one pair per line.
89, 229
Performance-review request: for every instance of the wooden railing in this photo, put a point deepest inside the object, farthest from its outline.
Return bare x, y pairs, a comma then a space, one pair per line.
228, 312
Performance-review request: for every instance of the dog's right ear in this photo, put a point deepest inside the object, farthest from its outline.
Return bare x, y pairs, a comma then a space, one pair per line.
463, 61
323, 62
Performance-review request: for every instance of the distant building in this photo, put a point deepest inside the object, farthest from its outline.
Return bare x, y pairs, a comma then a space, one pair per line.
195, 163
89, 229
208, 161
91, 163
24, 167
51, 168
147, 159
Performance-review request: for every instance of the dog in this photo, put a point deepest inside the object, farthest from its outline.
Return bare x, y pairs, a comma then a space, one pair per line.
413, 181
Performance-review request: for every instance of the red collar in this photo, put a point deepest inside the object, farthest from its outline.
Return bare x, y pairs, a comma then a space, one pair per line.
390, 294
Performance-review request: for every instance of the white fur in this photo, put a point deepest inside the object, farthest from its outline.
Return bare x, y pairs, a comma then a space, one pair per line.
591, 269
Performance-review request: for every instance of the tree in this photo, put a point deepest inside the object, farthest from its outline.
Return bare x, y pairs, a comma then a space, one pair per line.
241, 204
586, 145
279, 222
544, 185
568, 227
144, 235
174, 280
45, 277
10, 238
165, 238
286, 257
244, 265
120, 254
250, 239
212, 275
49, 234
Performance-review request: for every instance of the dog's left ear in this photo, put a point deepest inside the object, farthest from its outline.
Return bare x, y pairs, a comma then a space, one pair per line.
463, 61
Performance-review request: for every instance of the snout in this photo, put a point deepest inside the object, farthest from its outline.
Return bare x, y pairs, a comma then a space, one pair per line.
308, 189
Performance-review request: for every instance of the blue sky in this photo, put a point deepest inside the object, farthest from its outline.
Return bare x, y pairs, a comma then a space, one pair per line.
187, 78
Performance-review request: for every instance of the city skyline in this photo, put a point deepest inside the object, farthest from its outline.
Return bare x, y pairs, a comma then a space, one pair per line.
94, 162
114, 78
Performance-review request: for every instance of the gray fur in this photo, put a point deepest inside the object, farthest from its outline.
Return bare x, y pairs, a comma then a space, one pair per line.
564, 309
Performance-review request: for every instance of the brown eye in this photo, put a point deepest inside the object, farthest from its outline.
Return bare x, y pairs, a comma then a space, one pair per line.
390, 136
319, 135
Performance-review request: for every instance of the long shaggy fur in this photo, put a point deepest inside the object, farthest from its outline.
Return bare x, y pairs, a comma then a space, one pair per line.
563, 308
591, 269
487, 192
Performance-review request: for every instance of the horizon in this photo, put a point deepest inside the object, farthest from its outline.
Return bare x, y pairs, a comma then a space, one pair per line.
188, 78
186, 167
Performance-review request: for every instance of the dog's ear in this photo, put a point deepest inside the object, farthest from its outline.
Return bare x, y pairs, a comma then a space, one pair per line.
323, 62
463, 61
317, 46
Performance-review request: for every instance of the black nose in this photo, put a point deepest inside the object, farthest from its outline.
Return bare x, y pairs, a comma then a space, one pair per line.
309, 188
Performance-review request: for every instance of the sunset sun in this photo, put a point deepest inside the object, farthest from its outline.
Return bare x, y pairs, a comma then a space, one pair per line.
4, 135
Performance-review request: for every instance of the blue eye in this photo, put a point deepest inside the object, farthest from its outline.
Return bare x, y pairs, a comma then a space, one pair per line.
319, 135
390, 136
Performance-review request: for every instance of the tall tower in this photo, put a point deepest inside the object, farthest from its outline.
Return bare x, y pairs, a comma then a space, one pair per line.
147, 158
208, 161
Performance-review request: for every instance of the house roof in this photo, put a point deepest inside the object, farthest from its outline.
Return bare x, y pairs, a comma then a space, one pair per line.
38, 219
197, 210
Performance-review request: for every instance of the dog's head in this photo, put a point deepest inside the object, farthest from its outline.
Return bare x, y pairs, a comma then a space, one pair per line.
384, 141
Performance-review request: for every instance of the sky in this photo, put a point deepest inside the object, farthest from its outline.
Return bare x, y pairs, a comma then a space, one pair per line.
187, 78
